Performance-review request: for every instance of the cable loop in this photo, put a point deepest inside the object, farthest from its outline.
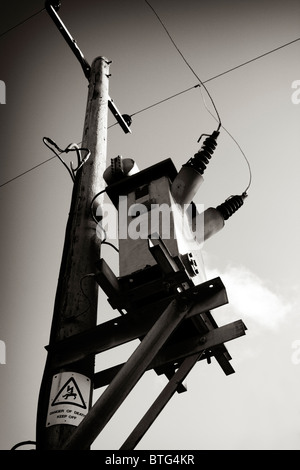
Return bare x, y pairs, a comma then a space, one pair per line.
70, 148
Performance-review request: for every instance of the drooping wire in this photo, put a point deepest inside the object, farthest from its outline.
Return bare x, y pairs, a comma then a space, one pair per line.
245, 158
242, 152
162, 101
23, 443
189, 66
155, 104
70, 148
218, 118
92, 203
104, 240
85, 295
83, 292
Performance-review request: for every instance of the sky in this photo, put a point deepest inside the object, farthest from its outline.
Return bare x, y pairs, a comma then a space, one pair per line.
256, 254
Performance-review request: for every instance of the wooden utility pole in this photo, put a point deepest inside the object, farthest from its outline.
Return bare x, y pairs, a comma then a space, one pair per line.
75, 308
167, 310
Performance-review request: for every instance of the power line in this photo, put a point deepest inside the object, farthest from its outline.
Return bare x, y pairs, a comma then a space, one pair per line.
187, 64
217, 118
252, 60
167, 99
27, 171
217, 76
21, 22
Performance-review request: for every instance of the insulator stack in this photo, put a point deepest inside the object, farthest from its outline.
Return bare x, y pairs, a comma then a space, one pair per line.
231, 205
201, 159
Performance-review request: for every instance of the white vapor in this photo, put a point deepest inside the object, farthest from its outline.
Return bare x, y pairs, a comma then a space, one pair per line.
251, 297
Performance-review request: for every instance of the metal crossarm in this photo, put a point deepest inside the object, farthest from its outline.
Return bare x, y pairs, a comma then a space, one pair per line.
52, 7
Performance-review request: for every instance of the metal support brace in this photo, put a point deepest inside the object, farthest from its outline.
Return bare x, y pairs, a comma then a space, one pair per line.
120, 330
170, 354
128, 376
159, 404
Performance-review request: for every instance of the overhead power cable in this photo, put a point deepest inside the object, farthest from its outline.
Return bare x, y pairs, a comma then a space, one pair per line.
252, 60
167, 99
27, 171
217, 117
21, 22
187, 64
217, 76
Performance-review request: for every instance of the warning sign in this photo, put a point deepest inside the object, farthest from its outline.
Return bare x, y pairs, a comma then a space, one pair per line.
69, 399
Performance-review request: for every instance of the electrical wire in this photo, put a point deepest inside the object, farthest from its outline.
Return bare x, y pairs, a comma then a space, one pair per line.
45, 140
23, 443
203, 98
104, 240
92, 203
242, 152
70, 148
27, 171
21, 22
245, 158
82, 290
211, 78
188, 65
162, 101
252, 60
85, 295
166, 99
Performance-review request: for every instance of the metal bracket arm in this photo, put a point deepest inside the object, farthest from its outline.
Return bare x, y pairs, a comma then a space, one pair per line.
180, 350
129, 327
52, 6
123, 119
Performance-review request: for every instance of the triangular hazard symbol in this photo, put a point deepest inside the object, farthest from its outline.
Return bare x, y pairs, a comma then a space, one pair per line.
69, 394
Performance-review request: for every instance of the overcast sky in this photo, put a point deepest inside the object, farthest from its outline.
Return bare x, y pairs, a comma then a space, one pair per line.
256, 254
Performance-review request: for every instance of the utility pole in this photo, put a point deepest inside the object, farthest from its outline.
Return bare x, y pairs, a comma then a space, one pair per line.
161, 290
75, 308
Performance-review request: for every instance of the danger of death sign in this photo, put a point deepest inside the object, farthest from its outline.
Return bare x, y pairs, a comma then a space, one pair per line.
69, 399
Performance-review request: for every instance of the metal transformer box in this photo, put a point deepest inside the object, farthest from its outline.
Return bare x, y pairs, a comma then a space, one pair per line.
147, 211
